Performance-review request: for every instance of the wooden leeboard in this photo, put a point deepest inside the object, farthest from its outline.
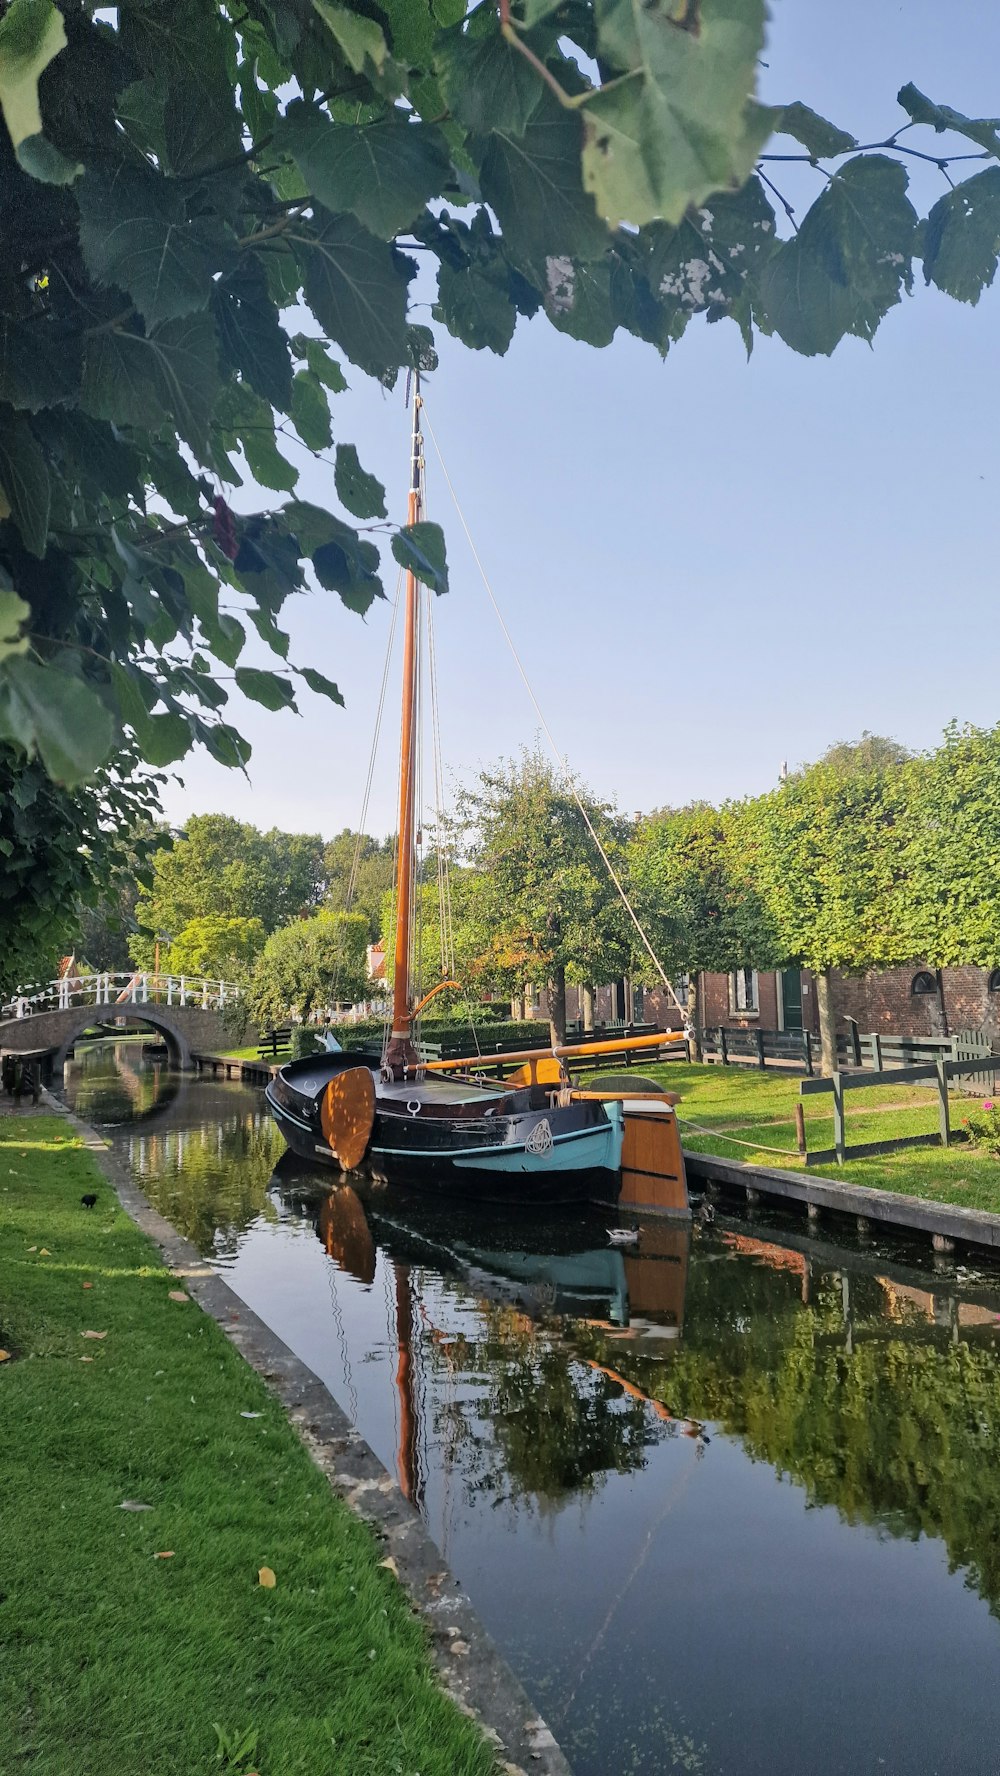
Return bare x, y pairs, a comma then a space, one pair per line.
653, 1174
346, 1114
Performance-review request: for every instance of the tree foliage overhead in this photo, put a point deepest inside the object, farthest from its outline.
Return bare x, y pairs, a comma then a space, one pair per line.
209, 210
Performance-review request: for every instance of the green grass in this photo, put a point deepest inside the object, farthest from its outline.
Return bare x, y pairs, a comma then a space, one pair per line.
758, 1109
116, 1663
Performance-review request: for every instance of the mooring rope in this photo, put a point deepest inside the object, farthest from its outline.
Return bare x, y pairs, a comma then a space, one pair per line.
717, 1135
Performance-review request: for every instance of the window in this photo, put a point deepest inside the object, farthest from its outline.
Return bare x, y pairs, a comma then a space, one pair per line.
923, 982
993, 984
743, 990
680, 984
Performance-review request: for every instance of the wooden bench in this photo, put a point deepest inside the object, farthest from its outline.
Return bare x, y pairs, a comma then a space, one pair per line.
275, 1042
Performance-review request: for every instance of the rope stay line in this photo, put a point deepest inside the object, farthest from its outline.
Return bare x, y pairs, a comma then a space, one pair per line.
571, 785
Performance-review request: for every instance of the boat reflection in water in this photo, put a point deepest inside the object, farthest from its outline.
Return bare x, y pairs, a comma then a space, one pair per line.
489, 1336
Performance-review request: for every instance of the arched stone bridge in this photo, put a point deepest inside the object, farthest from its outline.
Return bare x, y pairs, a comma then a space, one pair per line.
183, 1027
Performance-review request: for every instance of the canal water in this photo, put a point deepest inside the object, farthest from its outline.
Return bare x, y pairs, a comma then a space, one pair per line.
730, 1504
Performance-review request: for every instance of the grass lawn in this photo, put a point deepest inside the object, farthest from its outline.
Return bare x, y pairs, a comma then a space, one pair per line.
758, 1109
118, 1661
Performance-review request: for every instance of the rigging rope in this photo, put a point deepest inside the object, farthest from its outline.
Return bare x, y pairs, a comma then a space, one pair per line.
609, 866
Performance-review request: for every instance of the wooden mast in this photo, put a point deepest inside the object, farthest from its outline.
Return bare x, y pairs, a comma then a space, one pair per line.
400, 1052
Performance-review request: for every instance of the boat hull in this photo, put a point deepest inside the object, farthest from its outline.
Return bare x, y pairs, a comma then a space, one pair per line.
477, 1142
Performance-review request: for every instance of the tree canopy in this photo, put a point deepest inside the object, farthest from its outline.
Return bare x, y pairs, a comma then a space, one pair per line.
222, 868
215, 946
309, 965
197, 244
539, 903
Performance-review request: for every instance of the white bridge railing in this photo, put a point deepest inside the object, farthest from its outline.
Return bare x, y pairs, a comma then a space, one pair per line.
116, 992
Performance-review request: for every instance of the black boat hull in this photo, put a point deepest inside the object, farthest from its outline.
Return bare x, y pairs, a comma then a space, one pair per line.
489, 1145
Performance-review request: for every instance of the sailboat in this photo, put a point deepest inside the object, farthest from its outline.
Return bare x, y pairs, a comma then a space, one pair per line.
439, 1125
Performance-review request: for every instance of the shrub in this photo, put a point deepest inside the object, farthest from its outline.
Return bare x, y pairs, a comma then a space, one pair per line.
983, 1128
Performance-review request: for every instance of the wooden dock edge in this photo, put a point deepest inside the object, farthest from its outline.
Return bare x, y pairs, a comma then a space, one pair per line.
251, 1072
946, 1223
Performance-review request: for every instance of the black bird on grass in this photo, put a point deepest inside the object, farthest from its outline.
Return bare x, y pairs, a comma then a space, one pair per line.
89, 1200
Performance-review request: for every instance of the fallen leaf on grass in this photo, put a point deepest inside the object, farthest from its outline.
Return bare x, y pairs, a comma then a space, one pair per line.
167, 1554
93, 1335
4, 1356
133, 1505
177, 1295
390, 1566
32, 1248
266, 1578
249, 1414
44, 1252
86, 1359
88, 1285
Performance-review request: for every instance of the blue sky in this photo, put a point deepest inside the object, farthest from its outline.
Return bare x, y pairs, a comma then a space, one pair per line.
708, 566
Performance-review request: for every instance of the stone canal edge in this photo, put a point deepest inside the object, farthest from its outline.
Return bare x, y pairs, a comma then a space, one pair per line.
468, 1664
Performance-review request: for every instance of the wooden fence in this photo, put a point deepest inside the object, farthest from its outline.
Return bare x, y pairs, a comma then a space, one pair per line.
941, 1071
755, 1048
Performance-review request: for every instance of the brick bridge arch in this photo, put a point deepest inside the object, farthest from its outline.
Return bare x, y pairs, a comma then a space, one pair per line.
185, 1028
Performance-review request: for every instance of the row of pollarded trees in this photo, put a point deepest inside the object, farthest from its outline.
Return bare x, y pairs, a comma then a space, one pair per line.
868, 859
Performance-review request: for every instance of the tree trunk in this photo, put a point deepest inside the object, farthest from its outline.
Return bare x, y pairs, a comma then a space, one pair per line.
517, 1008
557, 1005
827, 1024
694, 1015
587, 1006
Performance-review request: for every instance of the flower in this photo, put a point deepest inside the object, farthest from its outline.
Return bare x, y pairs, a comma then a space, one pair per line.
988, 1104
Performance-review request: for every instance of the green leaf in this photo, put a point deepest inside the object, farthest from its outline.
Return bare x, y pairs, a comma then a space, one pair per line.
532, 180
45, 710
322, 365
40, 364
360, 492
474, 304
941, 117
347, 565
14, 613
962, 238
266, 688
487, 84
848, 263
225, 637
579, 300
225, 744
359, 38
135, 235
265, 461
277, 640
25, 483
818, 137
356, 288
251, 339
309, 410
684, 124
32, 33
704, 263
420, 549
163, 738
169, 377
324, 687
383, 172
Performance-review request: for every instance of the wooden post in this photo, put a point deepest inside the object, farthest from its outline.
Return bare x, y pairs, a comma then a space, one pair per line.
838, 1115
800, 1128
945, 1120
760, 1050
723, 1050
855, 1039
810, 1065
876, 1042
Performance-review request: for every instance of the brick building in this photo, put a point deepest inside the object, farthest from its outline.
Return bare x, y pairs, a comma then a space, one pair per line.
911, 1001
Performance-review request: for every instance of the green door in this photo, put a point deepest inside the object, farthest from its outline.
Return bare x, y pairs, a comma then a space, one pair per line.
791, 998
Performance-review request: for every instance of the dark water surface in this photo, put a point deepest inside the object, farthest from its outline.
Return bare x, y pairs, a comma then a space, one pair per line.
730, 1505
